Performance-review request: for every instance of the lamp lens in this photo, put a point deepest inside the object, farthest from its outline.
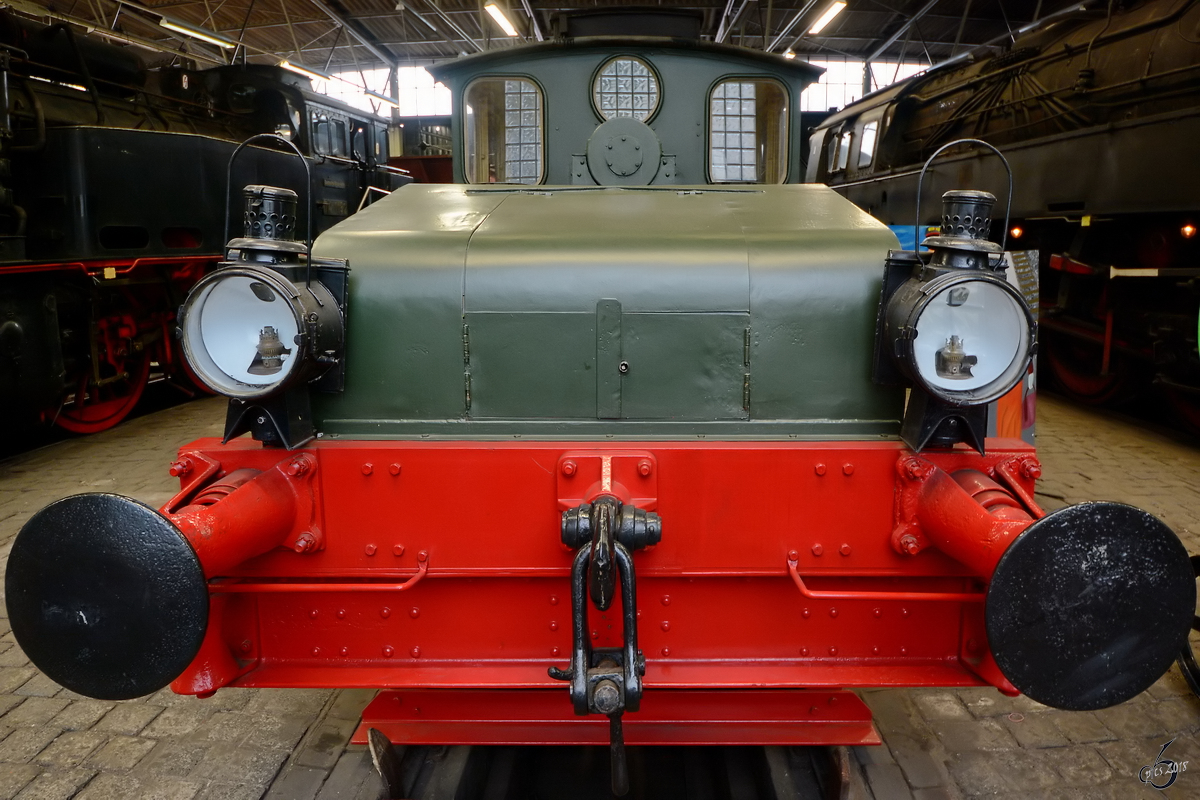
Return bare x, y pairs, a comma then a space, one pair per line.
970, 336
240, 335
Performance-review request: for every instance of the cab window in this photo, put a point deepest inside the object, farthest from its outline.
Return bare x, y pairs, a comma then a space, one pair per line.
329, 136
866, 143
502, 123
844, 149
747, 132
359, 146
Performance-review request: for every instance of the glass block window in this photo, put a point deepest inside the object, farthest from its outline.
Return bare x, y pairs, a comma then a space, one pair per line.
626, 87
747, 132
503, 128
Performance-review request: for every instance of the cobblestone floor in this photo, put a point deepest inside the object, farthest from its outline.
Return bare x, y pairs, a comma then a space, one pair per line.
284, 744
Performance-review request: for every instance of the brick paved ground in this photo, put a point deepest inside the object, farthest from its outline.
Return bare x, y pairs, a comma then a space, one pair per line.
287, 744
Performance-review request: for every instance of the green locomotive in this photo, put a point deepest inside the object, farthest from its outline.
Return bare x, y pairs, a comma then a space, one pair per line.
612, 426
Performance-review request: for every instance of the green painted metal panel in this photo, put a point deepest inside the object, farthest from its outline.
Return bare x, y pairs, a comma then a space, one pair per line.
404, 356
683, 366
651, 249
533, 365
608, 359
557, 285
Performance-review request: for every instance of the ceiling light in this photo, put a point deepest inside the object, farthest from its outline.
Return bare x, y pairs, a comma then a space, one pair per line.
197, 33
789, 55
827, 17
502, 20
311, 74
383, 98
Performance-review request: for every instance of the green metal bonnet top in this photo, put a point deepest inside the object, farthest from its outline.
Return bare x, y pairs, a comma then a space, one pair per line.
666, 312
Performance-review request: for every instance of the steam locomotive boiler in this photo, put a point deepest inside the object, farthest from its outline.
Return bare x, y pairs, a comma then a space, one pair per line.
1091, 110
617, 461
112, 205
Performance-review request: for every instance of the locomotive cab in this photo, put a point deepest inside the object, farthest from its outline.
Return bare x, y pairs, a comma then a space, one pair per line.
616, 111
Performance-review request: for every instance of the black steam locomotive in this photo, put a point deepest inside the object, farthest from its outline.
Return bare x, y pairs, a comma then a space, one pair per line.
1097, 112
113, 189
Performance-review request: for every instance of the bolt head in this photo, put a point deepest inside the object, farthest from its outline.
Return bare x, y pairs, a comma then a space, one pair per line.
844, 549
368, 468
370, 549
607, 698
394, 469
398, 549
568, 468
416, 652
817, 549
388, 651
847, 469
819, 469
645, 468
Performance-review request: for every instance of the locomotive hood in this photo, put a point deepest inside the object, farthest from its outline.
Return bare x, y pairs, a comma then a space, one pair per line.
691, 310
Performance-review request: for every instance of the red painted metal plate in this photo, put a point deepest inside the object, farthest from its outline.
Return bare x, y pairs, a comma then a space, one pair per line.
675, 717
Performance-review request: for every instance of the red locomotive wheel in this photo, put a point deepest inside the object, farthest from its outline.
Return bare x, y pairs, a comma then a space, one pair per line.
1075, 369
92, 408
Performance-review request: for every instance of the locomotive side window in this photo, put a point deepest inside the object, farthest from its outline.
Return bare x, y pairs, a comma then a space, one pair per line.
329, 136
626, 87
844, 149
359, 146
866, 143
747, 132
503, 128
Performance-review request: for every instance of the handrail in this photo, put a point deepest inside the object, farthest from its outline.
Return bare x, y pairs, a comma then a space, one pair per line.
955, 597
308, 188
921, 181
358, 586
